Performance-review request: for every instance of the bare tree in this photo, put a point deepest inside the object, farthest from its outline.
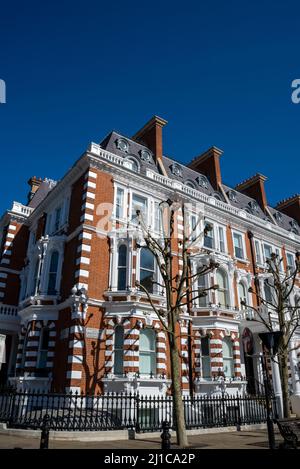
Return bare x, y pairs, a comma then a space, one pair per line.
177, 286
277, 313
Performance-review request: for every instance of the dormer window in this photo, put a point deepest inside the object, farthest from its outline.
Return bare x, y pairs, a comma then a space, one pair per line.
294, 224
146, 155
132, 164
253, 206
232, 196
217, 196
190, 184
122, 145
202, 181
176, 170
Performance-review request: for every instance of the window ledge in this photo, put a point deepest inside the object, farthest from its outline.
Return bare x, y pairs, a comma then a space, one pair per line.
243, 261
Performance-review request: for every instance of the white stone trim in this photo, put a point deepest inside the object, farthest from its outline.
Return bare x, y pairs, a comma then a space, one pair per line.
75, 359
74, 374
82, 273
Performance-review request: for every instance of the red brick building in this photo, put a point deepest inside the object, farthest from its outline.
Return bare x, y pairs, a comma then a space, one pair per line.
70, 313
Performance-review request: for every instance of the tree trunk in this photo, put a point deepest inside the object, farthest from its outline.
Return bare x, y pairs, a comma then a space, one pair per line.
284, 378
177, 395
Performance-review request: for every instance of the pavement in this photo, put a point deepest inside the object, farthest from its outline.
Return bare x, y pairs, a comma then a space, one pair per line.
230, 440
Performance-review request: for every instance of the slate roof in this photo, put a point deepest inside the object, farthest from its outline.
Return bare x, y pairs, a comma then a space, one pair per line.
188, 175
44, 189
135, 148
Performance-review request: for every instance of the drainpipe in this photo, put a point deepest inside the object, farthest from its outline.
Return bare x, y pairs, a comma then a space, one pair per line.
250, 237
190, 335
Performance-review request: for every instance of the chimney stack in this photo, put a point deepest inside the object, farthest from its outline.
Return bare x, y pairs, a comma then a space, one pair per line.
290, 207
254, 187
208, 163
151, 136
34, 183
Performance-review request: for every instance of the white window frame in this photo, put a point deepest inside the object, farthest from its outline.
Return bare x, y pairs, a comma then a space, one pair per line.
288, 253
258, 253
144, 196
242, 235
124, 202
216, 236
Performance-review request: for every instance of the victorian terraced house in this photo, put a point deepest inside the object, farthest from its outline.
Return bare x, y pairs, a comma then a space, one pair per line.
70, 313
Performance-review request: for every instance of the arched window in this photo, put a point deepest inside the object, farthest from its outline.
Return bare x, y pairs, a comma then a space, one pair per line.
43, 348
243, 294
228, 357
130, 163
223, 291
190, 184
122, 267
147, 270
205, 358
268, 291
119, 345
147, 352
53, 273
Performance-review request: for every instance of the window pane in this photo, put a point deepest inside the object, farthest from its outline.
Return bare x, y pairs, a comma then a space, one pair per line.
206, 371
221, 239
238, 246
290, 261
227, 358
201, 287
242, 294
205, 346
147, 259
267, 251
139, 203
118, 364
53, 273
209, 236
119, 203
122, 261
257, 251
147, 352
118, 356
268, 292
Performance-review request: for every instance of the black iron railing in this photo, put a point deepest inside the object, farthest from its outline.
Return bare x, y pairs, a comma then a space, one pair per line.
112, 411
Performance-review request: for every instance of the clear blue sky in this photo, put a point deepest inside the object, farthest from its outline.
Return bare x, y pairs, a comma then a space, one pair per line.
220, 73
